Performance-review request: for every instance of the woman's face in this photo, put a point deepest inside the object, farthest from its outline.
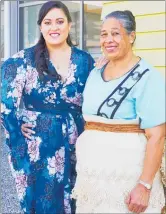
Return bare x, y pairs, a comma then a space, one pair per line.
55, 27
114, 40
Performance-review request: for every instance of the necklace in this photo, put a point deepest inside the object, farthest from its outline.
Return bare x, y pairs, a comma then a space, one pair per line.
59, 64
56, 66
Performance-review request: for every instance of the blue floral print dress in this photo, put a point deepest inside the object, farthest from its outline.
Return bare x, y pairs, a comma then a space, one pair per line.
43, 167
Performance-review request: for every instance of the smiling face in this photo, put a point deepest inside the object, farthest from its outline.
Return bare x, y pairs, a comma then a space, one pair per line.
55, 27
114, 40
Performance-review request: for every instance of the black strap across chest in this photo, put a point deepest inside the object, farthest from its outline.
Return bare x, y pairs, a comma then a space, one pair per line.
114, 100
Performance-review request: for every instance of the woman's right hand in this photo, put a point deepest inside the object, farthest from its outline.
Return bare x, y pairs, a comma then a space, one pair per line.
101, 61
26, 130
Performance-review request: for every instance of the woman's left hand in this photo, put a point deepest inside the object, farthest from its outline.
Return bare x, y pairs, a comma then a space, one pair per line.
101, 62
138, 199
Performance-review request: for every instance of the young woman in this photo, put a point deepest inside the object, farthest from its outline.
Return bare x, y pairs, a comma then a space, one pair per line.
49, 78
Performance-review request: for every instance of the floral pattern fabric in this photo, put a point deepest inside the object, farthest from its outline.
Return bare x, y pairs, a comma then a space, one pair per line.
43, 166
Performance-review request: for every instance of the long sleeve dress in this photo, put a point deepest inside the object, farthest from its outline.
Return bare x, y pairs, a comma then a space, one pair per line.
43, 167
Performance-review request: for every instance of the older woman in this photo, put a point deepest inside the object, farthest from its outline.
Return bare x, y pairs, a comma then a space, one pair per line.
120, 152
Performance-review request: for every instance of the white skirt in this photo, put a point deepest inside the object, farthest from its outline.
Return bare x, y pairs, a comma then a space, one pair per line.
108, 167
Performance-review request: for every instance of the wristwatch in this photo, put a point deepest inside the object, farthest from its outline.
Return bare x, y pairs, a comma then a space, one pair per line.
146, 185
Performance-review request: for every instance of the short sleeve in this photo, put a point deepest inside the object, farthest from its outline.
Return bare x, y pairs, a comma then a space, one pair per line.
150, 104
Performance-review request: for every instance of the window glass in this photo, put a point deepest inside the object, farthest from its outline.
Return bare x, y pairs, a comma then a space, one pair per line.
2, 30
92, 14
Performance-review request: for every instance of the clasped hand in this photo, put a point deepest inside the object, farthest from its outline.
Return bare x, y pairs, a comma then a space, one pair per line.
138, 199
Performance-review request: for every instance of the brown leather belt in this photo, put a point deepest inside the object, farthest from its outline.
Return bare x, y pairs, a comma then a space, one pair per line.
128, 128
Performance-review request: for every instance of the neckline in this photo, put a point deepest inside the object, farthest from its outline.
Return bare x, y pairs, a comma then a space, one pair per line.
64, 80
103, 68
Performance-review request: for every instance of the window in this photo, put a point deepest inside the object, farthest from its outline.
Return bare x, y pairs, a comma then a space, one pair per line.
28, 29
92, 24
2, 30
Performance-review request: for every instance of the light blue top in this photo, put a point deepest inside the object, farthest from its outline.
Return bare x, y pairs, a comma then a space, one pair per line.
146, 100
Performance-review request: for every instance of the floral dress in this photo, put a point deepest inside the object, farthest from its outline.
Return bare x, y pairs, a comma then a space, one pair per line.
43, 167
